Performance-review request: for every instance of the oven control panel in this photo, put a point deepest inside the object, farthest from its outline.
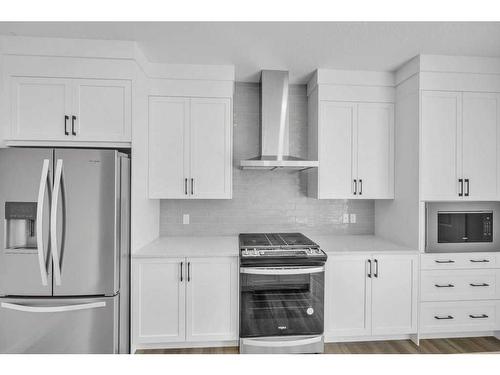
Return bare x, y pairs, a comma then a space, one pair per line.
306, 252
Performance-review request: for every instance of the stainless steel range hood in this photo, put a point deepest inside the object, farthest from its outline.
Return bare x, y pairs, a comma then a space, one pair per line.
274, 126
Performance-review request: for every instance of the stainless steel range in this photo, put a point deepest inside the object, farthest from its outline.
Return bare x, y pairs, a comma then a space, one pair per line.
282, 279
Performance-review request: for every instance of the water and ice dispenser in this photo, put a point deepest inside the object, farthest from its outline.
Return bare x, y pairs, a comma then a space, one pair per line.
20, 226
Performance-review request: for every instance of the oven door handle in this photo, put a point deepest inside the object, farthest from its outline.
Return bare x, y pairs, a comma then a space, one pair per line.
282, 343
281, 271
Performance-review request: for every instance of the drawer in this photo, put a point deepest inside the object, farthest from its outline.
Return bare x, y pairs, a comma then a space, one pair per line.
453, 285
449, 261
461, 316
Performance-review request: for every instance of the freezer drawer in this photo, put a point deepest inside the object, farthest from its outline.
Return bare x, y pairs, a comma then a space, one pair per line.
59, 325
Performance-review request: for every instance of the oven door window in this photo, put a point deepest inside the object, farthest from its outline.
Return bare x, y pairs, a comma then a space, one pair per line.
459, 227
281, 304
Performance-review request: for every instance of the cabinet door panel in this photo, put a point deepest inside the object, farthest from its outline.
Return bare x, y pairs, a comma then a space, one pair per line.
480, 122
394, 294
158, 301
210, 148
347, 296
38, 108
102, 109
168, 147
212, 299
336, 150
375, 150
440, 142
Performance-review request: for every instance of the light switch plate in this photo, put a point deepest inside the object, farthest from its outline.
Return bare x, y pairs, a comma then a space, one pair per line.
345, 219
353, 218
185, 219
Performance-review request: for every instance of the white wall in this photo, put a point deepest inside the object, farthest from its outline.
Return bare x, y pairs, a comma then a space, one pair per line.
398, 220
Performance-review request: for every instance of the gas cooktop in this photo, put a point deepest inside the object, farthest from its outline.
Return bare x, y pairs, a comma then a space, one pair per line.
279, 249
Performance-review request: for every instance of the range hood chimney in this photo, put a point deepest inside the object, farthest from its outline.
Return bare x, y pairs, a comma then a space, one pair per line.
274, 126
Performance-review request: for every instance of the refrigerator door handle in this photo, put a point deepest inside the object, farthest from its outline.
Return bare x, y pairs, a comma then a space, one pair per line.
39, 221
53, 222
52, 309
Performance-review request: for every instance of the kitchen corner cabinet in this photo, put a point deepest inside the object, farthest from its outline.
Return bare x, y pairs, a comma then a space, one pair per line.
66, 109
459, 145
183, 300
190, 148
371, 294
355, 151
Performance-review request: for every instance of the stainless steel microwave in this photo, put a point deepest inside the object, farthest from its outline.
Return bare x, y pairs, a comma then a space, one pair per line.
462, 227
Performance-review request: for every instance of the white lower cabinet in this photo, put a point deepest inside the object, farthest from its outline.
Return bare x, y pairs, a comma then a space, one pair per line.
459, 293
184, 300
370, 294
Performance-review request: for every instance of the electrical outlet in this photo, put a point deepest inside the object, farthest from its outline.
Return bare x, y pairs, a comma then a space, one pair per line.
345, 219
185, 219
353, 218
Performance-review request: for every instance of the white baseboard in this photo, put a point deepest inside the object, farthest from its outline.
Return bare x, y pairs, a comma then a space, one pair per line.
185, 345
333, 339
446, 335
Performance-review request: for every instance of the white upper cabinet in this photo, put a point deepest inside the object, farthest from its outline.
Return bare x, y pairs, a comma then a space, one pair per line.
102, 110
40, 108
355, 151
375, 150
190, 148
459, 134
56, 109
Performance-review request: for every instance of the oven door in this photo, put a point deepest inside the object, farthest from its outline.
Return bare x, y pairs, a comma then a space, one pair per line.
281, 301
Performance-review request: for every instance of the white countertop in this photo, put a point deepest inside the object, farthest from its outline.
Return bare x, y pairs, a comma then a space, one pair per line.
358, 244
207, 246
203, 246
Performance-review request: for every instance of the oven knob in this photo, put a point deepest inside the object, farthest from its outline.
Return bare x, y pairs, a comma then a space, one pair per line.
310, 311
245, 252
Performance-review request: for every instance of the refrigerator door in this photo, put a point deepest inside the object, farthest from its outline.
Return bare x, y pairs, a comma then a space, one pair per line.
86, 245
50, 325
25, 192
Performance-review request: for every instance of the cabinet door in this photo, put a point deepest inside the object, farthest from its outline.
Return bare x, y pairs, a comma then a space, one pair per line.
158, 301
102, 109
210, 149
212, 299
440, 140
39, 107
480, 132
394, 294
335, 136
168, 147
347, 296
375, 150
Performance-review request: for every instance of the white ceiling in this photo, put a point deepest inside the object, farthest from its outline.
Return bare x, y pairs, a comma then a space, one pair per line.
299, 47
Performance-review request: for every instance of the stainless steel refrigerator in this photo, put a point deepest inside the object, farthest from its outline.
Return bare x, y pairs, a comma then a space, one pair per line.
64, 251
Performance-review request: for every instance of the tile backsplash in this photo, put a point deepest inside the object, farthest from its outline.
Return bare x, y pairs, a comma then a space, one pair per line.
266, 201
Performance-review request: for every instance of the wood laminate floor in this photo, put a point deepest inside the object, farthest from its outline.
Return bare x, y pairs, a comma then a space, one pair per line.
435, 346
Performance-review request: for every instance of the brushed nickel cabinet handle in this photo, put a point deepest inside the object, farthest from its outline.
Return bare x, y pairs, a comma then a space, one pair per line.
444, 317
192, 186
444, 286
189, 271
355, 187
482, 316
476, 285
370, 268
185, 186
479, 260
73, 119
461, 182
66, 118
182, 266
444, 261
360, 187
376, 268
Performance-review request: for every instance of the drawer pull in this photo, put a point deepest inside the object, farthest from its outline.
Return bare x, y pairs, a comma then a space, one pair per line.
444, 286
444, 317
482, 316
444, 261
483, 284
479, 261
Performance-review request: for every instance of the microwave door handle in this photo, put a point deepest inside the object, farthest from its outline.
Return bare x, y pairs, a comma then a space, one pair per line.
39, 221
53, 222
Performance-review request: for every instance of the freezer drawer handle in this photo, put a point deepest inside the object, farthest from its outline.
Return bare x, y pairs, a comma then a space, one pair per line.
53, 222
52, 309
39, 221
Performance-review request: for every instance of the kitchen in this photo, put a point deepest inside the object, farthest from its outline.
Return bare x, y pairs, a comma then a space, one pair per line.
272, 210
